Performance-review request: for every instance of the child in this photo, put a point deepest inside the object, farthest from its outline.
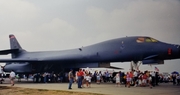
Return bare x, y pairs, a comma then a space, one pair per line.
124, 78
128, 79
117, 78
140, 79
76, 77
150, 81
88, 80
98, 78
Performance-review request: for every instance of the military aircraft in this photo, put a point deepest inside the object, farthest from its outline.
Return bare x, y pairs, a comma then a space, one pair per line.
135, 48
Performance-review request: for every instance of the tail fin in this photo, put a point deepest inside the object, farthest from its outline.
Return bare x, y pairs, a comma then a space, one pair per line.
14, 44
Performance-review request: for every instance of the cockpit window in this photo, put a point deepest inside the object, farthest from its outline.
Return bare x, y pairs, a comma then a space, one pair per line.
140, 40
154, 40
145, 39
148, 40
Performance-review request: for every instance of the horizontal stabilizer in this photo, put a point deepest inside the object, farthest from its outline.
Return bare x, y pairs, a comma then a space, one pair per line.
18, 60
8, 51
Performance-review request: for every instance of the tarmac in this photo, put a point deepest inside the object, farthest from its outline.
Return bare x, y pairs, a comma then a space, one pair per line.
103, 88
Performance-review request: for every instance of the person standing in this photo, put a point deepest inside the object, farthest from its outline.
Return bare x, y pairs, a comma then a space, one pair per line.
98, 78
157, 78
174, 79
71, 78
80, 75
135, 78
178, 79
128, 79
150, 81
88, 80
45, 77
12, 77
153, 78
117, 78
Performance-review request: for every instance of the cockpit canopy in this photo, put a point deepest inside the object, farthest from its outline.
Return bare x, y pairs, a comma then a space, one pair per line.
146, 39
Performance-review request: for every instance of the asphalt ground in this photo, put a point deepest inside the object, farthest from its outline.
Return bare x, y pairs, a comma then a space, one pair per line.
103, 88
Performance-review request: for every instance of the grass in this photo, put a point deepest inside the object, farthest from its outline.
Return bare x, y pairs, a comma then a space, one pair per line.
4, 90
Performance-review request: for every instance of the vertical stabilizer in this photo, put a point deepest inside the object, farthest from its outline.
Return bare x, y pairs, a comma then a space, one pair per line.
14, 44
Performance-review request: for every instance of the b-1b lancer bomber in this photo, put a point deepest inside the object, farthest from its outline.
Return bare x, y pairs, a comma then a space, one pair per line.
126, 49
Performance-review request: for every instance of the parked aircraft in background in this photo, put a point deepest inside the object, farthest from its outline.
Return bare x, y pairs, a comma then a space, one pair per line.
136, 48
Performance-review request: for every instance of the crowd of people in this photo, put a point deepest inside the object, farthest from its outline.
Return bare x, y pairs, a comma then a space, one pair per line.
132, 78
137, 78
84, 78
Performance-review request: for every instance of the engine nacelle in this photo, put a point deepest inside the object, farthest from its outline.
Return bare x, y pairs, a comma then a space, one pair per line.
154, 62
18, 67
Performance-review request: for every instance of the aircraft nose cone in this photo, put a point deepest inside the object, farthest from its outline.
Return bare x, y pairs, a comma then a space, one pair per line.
178, 46
179, 49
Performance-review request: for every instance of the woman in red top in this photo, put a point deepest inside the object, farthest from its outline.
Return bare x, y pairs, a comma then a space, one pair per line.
80, 75
144, 79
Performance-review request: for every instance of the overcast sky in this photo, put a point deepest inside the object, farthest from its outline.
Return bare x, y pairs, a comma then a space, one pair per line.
41, 25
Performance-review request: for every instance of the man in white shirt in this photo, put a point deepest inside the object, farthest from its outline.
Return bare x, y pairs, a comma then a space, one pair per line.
135, 76
153, 78
12, 77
